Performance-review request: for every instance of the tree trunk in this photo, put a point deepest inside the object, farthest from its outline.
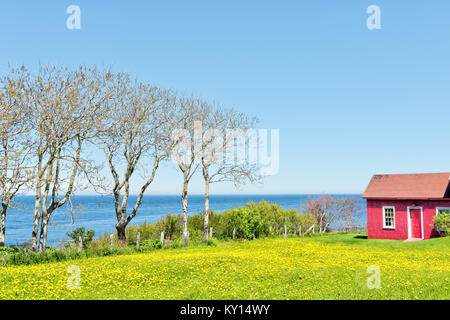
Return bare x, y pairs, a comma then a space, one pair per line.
3, 225
43, 235
121, 215
121, 233
37, 200
45, 212
206, 222
37, 218
184, 202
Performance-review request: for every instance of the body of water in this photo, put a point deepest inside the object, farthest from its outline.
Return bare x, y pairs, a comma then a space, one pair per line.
97, 212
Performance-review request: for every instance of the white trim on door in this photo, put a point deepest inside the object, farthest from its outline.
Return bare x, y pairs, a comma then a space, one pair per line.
409, 221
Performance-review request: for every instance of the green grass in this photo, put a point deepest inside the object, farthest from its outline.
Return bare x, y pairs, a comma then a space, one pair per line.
330, 266
361, 240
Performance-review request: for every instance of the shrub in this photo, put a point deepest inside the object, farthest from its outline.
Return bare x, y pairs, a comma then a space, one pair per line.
5, 250
246, 221
172, 226
86, 236
441, 223
196, 224
155, 244
146, 230
305, 221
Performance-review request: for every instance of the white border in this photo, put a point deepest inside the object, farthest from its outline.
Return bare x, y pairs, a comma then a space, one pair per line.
384, 219
421, 221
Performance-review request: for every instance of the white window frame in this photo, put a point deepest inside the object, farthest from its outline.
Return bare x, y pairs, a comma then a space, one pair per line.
384, 217
441, 208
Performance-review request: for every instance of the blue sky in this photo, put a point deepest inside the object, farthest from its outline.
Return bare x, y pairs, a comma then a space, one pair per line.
349, 102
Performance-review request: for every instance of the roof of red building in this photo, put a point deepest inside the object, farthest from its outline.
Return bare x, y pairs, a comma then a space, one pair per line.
409, 186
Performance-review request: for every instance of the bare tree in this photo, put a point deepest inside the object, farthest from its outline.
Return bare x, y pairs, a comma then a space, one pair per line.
67, 107
327, 210
137, 139
14, 145
224, 132
187, 135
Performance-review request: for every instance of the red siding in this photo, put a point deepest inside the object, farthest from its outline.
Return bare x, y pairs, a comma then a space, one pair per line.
375, 218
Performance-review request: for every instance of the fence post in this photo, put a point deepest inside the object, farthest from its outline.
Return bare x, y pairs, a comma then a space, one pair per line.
162, 238
210, 233
234, 233
285, 231
111, 242
138, 239
80, 244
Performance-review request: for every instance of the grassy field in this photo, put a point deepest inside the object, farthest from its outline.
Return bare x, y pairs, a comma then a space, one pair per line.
321, 267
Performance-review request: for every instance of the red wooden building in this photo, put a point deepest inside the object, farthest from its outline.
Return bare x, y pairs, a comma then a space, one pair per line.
402, 206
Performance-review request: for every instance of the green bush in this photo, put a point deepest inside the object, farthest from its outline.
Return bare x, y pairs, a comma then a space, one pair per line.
155, 244
5, 250
441, 223
86, 236
102, 243
196, 224
172, 226
253, 220
146, 230
262, 220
